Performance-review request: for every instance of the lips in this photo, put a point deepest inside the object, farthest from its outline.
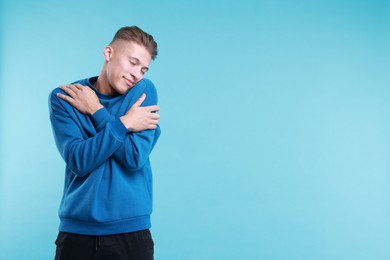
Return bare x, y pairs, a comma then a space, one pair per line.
129, 82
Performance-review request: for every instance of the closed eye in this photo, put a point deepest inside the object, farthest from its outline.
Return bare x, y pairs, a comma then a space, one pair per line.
134, 61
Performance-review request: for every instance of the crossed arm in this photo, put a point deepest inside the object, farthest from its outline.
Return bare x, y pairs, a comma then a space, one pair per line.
131, 152
86, 101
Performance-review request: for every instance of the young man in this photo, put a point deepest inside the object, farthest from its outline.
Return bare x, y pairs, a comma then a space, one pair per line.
105, 128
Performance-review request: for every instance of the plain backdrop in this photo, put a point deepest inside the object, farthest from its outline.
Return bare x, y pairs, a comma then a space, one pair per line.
275, 120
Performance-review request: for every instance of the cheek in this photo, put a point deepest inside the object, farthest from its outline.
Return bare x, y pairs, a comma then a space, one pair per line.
115, 71
109, 73
125, 68
112, 75
122, 65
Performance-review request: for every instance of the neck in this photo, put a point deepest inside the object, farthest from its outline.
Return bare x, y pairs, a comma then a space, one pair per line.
102, 85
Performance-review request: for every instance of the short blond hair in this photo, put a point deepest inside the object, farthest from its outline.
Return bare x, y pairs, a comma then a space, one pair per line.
135, 34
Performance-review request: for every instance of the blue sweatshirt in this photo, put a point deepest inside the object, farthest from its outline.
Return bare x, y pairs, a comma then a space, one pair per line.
108, 178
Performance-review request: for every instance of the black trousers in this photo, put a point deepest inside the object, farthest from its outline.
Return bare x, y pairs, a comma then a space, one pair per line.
130, 246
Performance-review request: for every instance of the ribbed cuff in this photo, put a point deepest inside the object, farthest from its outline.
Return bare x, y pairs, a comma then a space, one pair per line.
100, 118
119, 129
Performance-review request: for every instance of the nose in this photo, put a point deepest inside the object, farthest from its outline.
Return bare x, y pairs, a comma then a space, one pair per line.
135, 73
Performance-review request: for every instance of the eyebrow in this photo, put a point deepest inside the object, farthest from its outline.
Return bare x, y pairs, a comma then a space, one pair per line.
138, 61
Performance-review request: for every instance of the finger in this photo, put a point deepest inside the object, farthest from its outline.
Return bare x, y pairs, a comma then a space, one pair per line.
65, 97
154, 116
140, 100
78, 85
63, 87
154, 108
154, 122
67, 90
152, 126
74, 88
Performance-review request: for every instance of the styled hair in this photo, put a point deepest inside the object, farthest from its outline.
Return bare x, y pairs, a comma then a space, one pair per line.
135, 34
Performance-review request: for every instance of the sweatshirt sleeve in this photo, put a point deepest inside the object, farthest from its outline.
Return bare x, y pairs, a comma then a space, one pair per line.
100, 118
82, 153
137, 146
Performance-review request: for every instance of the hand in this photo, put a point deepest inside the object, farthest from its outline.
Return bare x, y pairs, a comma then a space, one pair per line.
141, 118
81, 97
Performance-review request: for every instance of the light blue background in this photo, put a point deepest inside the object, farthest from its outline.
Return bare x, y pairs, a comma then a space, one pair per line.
275, 119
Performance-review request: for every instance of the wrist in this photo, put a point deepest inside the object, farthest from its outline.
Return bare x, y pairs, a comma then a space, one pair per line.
126, 122
95, 109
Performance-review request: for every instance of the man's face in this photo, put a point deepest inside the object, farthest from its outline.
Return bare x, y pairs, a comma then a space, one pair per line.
127, 62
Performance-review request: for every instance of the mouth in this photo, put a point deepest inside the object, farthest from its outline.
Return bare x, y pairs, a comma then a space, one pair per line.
129, 82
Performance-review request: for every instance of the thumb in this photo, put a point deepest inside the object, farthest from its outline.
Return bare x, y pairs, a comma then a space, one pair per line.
140, 100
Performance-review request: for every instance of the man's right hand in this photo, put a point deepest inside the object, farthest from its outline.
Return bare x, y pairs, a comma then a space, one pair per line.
141, 118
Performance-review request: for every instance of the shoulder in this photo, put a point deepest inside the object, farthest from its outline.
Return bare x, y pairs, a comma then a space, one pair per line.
54, 100
146, 85
57, 90
143, 86
53, 94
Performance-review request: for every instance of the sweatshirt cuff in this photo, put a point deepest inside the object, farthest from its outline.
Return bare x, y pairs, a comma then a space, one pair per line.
119, 129
100, 118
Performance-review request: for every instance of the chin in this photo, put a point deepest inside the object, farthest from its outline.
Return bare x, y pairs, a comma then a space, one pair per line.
123, 89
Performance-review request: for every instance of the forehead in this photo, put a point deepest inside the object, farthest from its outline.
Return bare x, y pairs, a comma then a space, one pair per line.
131, 49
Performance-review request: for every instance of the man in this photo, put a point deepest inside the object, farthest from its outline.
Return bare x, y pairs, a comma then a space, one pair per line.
105, 137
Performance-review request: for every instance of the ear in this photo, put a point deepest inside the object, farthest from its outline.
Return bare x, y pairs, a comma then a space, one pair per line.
107, 53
